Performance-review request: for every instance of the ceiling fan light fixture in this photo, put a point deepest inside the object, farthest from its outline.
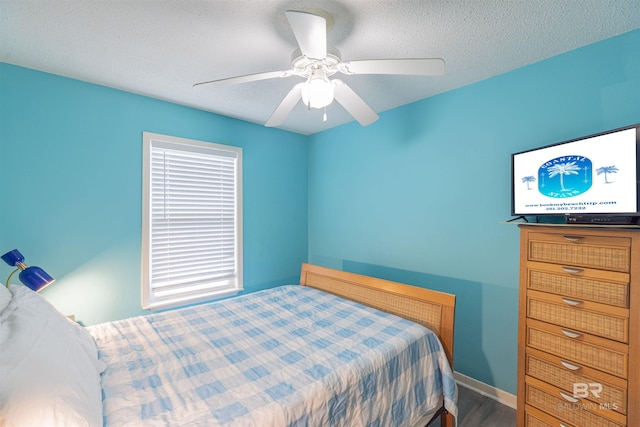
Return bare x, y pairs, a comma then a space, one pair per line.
318, 91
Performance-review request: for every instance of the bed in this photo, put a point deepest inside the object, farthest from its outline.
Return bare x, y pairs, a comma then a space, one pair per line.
340, 350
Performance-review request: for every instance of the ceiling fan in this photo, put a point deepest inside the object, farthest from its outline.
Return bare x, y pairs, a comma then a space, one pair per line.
314, 62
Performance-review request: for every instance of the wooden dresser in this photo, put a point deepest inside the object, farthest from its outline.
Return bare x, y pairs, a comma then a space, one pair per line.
579, 331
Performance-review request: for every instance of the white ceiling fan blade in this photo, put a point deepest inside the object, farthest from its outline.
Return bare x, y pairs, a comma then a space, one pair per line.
248, 78
280, 114
311, 33
353, 103
418, 66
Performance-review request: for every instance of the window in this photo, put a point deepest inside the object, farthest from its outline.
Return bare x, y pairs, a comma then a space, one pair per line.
191, 221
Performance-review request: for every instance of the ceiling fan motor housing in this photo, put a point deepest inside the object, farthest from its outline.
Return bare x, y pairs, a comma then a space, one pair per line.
303, 66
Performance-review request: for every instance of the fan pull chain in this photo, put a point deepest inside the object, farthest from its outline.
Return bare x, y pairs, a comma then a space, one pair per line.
324, 115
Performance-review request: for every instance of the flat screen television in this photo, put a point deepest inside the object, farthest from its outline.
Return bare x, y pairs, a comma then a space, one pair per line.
593, 179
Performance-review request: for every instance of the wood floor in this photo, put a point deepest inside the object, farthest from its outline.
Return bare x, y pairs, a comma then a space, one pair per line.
476, 410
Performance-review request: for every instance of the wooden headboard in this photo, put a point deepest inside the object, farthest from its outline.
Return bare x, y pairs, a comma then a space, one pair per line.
432, 309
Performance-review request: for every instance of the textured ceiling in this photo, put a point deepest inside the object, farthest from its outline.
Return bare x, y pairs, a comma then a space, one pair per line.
160, 48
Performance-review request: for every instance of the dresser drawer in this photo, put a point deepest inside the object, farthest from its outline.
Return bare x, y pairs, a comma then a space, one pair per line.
536, 418
605, 390
576, 412
585, 350
607, 253
583, 316
605, 287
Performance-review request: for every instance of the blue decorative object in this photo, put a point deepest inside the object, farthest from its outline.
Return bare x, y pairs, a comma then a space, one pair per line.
32, 277
566, 176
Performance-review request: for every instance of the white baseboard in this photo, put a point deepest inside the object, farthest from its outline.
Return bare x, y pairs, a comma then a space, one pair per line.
491, 392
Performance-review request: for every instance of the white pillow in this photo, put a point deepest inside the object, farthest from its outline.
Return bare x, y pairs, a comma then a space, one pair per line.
49, 366
5, 297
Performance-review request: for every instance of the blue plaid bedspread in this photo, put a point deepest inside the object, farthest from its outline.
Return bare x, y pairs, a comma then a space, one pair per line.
290, 356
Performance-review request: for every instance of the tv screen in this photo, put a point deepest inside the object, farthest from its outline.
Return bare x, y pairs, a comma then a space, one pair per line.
593, 175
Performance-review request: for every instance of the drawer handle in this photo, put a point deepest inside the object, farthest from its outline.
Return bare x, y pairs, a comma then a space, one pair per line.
563, 425
572, 270
573, 238
570, 366
572, 302
568, 397
571, 334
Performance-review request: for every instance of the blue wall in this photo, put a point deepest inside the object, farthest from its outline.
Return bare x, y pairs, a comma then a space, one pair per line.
71, 188
419, 196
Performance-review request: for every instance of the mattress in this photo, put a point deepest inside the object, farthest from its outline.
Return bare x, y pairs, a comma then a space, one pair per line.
288, 356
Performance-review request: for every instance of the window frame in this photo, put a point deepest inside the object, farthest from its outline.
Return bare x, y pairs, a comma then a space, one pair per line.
148, 299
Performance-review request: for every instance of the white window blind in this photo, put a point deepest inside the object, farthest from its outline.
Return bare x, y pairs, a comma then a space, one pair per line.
193, 221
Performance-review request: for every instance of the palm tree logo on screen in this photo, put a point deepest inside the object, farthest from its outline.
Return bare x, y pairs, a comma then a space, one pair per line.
528, 180
606, 170
566, 176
